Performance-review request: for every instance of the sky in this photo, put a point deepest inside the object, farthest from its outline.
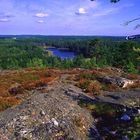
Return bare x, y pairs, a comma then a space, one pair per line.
68, 17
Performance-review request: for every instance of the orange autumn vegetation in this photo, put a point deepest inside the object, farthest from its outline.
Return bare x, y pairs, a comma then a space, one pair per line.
6, 102
90, 86
94, 87
18, 82
38, 83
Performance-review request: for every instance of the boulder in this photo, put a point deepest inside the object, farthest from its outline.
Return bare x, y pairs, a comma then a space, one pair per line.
119, 81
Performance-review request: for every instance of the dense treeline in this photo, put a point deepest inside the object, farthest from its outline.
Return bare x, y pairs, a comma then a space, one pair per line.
15, 55
26, 51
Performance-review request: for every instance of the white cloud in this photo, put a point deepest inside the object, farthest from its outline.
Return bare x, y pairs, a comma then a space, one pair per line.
86, 7
4, 20
41, 15
82, 11
40, 21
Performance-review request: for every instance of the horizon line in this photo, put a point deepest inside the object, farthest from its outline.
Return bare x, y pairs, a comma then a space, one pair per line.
59, 35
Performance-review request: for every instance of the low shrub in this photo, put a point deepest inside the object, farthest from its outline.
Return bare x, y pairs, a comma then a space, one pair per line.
94, 87
83, 83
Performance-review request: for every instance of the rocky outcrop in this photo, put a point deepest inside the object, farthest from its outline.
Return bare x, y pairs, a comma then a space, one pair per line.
124, 98
56, 115
118, 81
47, 116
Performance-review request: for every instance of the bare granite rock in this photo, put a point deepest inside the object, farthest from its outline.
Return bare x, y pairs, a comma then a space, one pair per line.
119, 81
47, 116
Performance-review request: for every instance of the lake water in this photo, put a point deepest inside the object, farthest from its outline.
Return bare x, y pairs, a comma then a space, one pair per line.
62, 54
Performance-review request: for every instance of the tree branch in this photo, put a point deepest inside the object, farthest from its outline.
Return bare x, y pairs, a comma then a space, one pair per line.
128, 22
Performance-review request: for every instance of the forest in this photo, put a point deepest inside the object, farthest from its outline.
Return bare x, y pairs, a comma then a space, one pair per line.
28, 51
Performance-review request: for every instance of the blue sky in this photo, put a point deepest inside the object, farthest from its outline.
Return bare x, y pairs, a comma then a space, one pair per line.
68, 17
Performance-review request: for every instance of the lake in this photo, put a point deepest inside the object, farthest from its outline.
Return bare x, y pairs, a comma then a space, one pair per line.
62, 54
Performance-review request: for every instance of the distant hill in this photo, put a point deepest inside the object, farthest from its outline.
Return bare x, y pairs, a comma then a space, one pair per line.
64, 37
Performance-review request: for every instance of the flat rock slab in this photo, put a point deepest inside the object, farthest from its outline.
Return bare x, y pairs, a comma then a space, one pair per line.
125, 98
